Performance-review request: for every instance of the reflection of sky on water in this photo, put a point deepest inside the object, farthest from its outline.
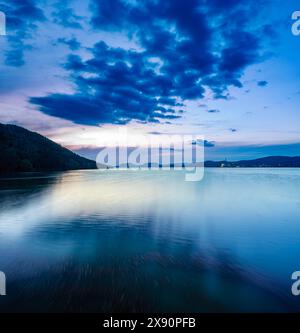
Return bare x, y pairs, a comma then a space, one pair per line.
241, 223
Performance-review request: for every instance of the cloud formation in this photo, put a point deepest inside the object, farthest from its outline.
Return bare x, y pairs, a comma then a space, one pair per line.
213, 111
209, 144
22, 17
262, 83
64, 15
72, 43
185, 48
205, 143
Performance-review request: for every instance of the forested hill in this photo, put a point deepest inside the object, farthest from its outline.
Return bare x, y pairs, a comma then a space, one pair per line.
265, 162
22, 151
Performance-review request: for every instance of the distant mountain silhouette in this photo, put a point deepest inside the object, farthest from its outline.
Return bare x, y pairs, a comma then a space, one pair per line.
25, 151
22, 151
265, 162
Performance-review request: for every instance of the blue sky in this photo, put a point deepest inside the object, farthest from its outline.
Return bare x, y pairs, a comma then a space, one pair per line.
229, 70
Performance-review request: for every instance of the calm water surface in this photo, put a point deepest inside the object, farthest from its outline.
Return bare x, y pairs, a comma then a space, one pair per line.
113, 241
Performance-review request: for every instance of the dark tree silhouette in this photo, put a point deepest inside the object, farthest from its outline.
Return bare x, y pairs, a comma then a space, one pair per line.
22, 151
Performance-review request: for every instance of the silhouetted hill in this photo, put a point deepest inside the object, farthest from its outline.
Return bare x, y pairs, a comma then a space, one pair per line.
22, 151
265, 162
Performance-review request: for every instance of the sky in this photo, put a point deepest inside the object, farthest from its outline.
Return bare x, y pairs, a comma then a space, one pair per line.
77, 71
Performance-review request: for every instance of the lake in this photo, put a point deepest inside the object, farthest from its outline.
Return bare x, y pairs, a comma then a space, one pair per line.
148, 241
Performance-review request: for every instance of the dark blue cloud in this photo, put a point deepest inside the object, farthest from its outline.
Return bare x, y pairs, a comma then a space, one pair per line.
199, 45
213, 111
22, 17
72, 43
64, 15
114, 86
209, 144
205, 143
262, 83
155, 133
